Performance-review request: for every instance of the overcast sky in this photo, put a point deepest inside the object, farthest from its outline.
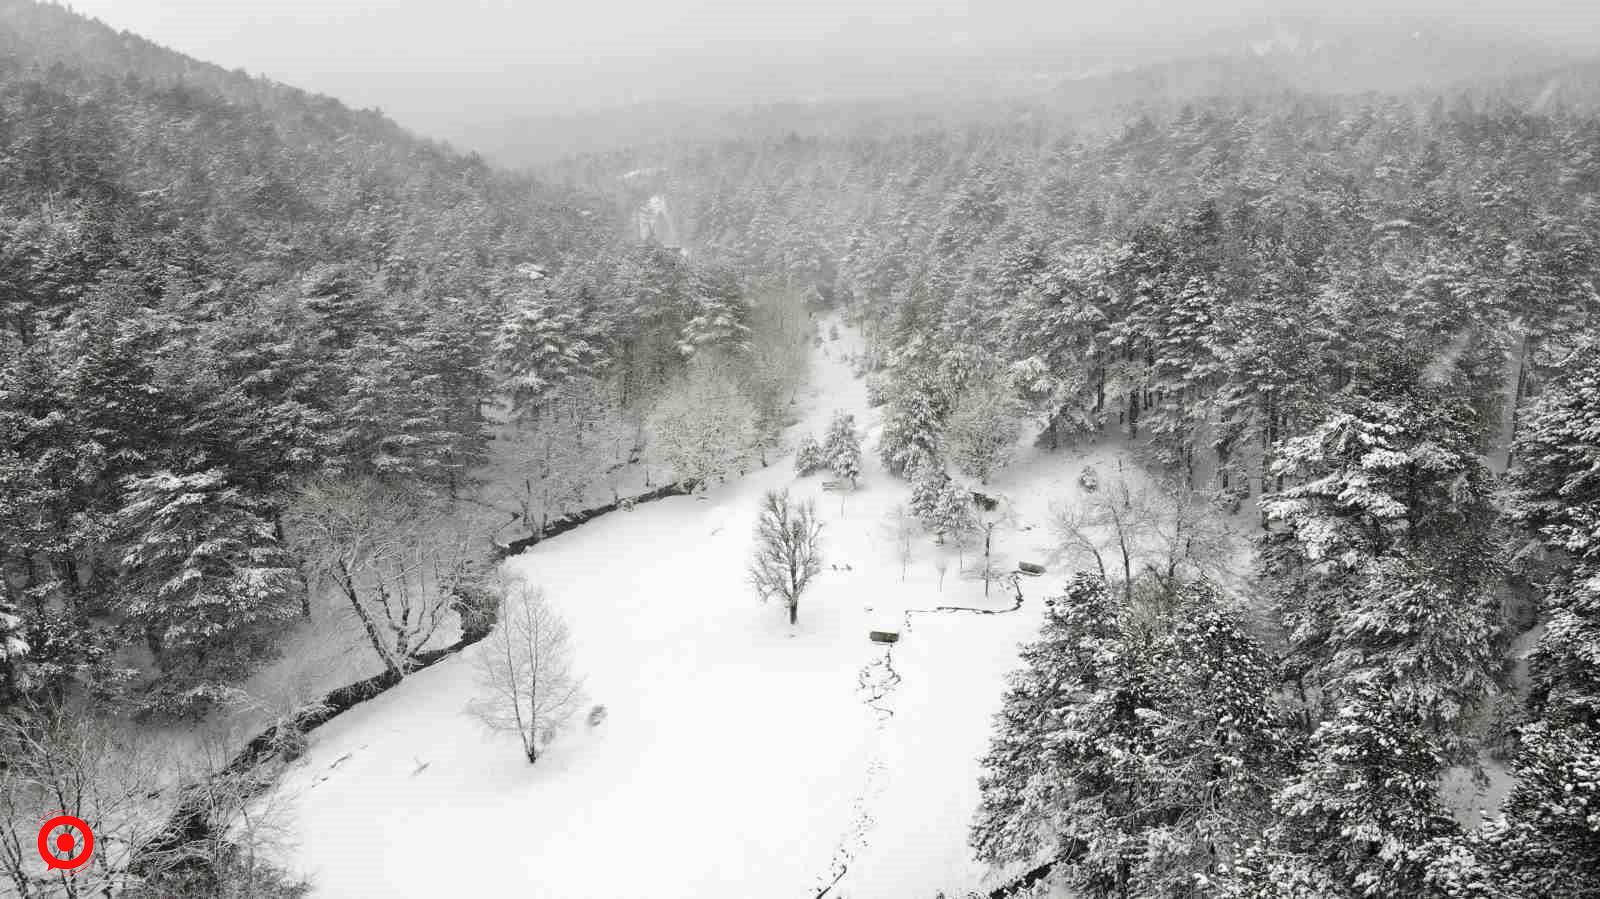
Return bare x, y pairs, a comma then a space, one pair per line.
425, 61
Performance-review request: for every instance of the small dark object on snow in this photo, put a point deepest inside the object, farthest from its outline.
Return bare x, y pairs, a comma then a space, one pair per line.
597, 715
1089, 479
836, 486
985, 502
883, 636
1030, 568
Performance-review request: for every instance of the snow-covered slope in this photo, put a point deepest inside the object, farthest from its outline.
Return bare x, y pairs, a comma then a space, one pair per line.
738, 758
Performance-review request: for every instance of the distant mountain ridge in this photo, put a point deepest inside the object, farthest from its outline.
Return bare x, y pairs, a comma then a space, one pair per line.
1078, 79
1308, 57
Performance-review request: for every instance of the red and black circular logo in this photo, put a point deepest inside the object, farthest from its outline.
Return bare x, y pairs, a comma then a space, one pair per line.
65, 842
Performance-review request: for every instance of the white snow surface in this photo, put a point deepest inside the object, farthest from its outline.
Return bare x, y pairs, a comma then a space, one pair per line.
738, 758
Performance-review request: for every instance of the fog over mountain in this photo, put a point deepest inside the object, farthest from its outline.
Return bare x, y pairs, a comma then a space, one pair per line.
451, 69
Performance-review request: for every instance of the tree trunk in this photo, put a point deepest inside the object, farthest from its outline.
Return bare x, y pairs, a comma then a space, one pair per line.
347, 584
794, 612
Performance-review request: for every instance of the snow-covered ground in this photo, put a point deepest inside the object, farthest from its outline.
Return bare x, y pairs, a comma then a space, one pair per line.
738, 758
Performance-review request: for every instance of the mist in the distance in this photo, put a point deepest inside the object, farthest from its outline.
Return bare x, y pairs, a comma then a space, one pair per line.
450, 68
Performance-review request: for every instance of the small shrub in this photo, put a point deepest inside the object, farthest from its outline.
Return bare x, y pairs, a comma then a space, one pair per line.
1089, 479
477, 606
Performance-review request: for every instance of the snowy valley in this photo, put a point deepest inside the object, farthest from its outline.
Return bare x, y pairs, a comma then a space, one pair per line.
738, 756
1024, 451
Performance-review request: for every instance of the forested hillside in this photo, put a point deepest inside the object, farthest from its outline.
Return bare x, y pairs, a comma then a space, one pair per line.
1352, 316
273, 371
269, 365
215, 289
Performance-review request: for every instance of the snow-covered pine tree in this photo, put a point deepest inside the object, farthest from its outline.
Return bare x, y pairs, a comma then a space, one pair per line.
1184, 372
48, 466
716, 313
1020, 788
1547, 844
912, 421
1055, 330
1102, 761
544, 342
1376, 475
1361, 814
450, 355
1556, 498
1550, 844
343, 307
1556, 504
1391, 504
207, 580
842, 447
928, 480
808, 456
1442, 648
954, 518
13, 649
379, 432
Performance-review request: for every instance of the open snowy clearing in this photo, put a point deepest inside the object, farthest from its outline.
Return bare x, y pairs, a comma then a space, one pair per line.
737, 758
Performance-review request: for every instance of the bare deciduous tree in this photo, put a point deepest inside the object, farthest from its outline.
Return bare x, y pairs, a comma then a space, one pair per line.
232, 857
901, 527
1107, 527
788, 553
703, 427
1188, 533
568, 442
61, 761
397, 562
73, 761
525, 669
1170, 531
779, 358
991, 566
